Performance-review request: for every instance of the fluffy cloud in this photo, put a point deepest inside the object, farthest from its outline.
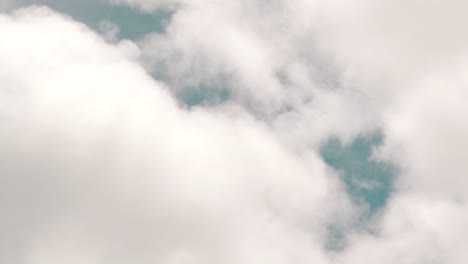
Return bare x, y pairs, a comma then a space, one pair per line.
99, 164
273, 57
322, 68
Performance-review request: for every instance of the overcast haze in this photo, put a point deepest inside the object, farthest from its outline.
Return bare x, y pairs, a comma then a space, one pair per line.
237, 132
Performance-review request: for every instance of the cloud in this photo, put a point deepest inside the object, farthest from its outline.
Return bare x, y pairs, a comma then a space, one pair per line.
109, 30
270, 56
318, 69
99, 164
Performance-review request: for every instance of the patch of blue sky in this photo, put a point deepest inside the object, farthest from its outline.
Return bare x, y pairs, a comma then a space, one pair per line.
132, 23
369, 182
205, 96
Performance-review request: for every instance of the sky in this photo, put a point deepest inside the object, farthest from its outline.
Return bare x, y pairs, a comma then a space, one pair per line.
237, 132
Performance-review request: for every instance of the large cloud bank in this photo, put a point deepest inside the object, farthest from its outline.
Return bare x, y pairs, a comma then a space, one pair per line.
100, 163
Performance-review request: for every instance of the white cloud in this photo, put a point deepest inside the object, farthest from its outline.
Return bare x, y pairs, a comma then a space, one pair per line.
272, 56
98, 163
395, 65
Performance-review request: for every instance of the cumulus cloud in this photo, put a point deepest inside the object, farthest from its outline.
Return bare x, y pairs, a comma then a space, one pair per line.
330, 68
99, 164
272, 57
102, 163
